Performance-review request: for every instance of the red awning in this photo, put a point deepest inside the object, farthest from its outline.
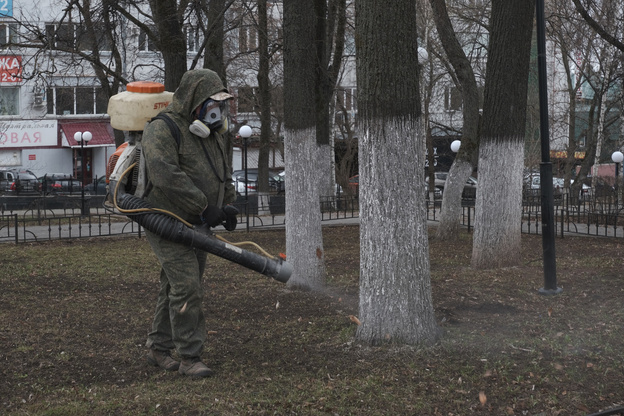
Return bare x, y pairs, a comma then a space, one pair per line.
101, 130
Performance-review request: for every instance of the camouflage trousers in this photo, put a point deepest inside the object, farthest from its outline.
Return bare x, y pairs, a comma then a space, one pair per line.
179, 318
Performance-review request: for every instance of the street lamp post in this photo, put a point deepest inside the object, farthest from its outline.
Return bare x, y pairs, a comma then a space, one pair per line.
617, 157
548, 215
245, 133
83, 139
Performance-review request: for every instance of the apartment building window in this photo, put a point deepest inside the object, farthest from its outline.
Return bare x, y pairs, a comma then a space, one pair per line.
65, 101
8, 33
145, 43
247, 37
76, 36
9, 101
247, 99
345, 99
345, 105
87, 41
452, 99
192, 38
60, 35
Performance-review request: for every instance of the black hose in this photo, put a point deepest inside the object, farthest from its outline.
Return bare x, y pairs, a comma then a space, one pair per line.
173, 230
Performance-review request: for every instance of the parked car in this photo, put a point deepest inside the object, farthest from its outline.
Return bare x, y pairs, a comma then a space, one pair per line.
470, 188
585, 192
97, 187
66, 187
533, 181
19, 182
238, 180
48, 180
354, 184
277, 182
532, 186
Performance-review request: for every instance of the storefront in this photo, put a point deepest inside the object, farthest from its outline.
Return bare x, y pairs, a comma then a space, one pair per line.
49, 146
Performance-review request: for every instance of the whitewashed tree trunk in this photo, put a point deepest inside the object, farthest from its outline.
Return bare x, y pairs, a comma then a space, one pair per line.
304, 239
451, 211
303, 155
498, 211
395, 288
599, 136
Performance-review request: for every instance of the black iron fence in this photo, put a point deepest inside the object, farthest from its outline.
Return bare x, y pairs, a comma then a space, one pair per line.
25, 219
595, 216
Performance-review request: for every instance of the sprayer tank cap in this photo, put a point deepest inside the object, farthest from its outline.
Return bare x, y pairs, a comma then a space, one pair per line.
145, 87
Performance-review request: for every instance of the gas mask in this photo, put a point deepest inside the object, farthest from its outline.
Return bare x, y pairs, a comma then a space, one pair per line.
213, 116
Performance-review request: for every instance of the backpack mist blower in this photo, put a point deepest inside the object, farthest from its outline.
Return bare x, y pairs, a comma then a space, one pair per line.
129, 112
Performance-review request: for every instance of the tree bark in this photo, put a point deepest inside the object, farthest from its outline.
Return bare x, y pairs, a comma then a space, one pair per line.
395, 288
304, 241
501, 153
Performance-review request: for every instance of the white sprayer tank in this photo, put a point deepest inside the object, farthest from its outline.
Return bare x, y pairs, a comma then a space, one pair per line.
131, 109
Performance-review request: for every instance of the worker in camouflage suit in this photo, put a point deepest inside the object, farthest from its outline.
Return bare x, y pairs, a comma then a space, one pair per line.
189, 176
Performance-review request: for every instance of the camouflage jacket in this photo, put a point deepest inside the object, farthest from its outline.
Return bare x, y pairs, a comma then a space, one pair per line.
183, 180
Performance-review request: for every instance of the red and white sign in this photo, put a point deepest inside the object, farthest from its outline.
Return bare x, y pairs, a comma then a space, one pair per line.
10, 68
28, 133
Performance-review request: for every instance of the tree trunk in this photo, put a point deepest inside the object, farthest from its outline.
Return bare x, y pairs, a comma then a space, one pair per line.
395, 287
464, 163
213, 56
264, 97
501, 153
304, 241
330, 34
451, 210
171, 41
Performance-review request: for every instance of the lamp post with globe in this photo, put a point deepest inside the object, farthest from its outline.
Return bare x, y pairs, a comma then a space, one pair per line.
83, 139
617, 157
245, 133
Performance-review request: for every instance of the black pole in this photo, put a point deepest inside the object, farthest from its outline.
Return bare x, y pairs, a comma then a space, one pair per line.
617, 191
246, 185
82, 165
548, 223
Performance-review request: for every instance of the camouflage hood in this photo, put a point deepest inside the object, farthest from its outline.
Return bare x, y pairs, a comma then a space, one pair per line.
195, 87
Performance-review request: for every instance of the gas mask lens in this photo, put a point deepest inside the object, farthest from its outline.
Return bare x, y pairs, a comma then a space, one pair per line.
213, 113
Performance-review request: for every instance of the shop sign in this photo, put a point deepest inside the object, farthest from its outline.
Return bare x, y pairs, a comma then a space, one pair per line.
28, 133
10, 68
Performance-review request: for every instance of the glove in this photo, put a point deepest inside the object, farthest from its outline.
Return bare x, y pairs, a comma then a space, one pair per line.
213, 216
230, 213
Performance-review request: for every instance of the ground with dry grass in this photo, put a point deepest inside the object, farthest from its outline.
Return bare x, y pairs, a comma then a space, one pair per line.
75, 314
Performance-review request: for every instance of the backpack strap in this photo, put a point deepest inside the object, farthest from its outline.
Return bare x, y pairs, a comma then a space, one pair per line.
175, 130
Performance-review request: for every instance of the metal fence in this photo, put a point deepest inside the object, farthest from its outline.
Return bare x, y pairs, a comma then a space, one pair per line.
595, 216
25, 219
59, 217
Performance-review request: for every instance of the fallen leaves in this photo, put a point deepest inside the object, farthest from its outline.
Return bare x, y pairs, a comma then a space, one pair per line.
355, 320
